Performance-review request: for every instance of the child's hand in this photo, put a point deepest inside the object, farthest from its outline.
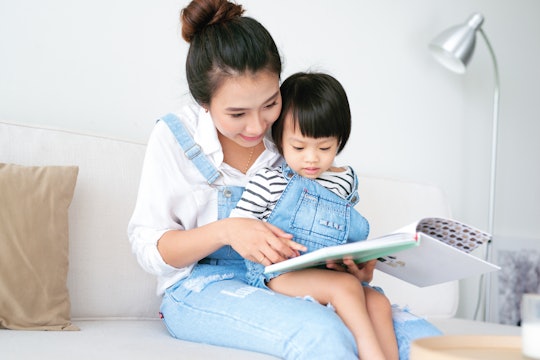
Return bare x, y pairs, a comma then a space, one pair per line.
363, 271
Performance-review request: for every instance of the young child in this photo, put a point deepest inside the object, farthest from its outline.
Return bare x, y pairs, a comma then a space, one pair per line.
311, 198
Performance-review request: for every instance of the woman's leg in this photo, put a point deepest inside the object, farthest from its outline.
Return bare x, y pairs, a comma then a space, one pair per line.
346, 294
380, 312
220, 309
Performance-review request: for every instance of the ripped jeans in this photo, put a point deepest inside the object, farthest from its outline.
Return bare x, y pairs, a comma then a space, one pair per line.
215, 305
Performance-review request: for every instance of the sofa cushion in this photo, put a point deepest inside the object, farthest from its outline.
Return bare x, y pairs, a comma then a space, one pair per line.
34, 246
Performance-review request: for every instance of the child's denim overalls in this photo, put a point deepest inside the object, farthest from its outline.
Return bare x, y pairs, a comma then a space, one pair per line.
315, 216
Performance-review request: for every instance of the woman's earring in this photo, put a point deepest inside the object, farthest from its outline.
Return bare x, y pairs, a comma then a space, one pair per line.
206, 110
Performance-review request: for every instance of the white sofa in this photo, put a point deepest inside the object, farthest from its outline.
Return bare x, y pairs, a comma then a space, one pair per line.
113, 301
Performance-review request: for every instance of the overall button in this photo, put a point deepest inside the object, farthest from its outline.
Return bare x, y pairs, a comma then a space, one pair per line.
227, 193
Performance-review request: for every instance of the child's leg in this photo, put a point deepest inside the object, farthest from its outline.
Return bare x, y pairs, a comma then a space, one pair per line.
380, 312
345, 293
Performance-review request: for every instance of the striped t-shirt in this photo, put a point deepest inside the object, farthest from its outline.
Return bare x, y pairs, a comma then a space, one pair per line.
265, 188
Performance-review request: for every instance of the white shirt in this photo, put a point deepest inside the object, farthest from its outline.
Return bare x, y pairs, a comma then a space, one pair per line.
173, 195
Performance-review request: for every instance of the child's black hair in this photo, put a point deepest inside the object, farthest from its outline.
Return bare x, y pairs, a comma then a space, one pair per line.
318, 105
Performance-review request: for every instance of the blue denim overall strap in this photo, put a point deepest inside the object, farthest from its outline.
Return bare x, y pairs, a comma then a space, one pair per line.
315, 216
228, 196
191, 149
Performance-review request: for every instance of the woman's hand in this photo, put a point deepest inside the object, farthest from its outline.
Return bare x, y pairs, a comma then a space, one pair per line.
363, 271
260, 241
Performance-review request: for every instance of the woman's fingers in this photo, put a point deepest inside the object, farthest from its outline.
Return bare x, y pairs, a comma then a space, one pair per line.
262, 260
278, 232
283, 244
262, 242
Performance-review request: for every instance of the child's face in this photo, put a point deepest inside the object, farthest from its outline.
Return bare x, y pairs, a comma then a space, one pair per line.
308, 156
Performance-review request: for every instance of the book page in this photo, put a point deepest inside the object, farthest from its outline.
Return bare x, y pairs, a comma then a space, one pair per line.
454, 233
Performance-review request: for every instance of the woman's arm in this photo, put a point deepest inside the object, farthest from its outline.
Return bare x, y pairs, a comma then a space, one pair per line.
164, 229
252, 239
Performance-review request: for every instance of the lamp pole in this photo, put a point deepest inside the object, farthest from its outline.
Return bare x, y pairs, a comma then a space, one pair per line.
493, 174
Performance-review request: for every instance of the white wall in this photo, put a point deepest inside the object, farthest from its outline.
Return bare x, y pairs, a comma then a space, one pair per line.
112, 67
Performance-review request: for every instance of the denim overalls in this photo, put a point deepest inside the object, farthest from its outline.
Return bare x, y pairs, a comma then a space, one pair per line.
315, 216
215, 305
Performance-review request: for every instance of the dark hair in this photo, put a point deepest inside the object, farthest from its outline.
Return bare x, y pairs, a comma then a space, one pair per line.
223, 43
318, 105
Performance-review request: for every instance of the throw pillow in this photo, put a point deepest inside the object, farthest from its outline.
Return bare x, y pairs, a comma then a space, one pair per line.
34, 202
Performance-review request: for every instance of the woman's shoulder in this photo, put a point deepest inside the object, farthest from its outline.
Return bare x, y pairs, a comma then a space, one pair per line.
164, 135
188, 116
189, 122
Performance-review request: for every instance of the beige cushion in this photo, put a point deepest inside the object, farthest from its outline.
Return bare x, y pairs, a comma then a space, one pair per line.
34, 202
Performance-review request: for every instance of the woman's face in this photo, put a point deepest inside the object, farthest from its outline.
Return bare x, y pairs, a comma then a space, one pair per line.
244, 107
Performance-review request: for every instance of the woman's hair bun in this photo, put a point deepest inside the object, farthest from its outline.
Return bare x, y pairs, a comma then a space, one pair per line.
201, 13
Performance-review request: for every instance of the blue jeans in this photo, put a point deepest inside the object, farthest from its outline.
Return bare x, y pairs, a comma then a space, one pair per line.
215, 305
315, 216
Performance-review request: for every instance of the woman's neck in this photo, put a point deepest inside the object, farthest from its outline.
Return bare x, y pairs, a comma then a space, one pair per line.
237, 156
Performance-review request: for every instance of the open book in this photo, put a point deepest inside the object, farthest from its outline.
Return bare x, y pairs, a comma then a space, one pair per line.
429, 252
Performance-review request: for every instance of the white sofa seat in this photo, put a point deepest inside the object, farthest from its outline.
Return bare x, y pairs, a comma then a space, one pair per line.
117, 339
148, 339
114, 302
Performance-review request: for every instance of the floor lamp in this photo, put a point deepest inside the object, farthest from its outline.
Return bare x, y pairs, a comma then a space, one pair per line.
453, 48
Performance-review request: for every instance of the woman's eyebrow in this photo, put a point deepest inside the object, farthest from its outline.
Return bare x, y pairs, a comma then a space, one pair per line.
275, 95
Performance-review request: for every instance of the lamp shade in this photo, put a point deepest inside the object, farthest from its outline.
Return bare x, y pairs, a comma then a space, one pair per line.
454, 47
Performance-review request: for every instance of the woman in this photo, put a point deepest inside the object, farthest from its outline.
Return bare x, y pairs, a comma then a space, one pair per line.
195, 168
